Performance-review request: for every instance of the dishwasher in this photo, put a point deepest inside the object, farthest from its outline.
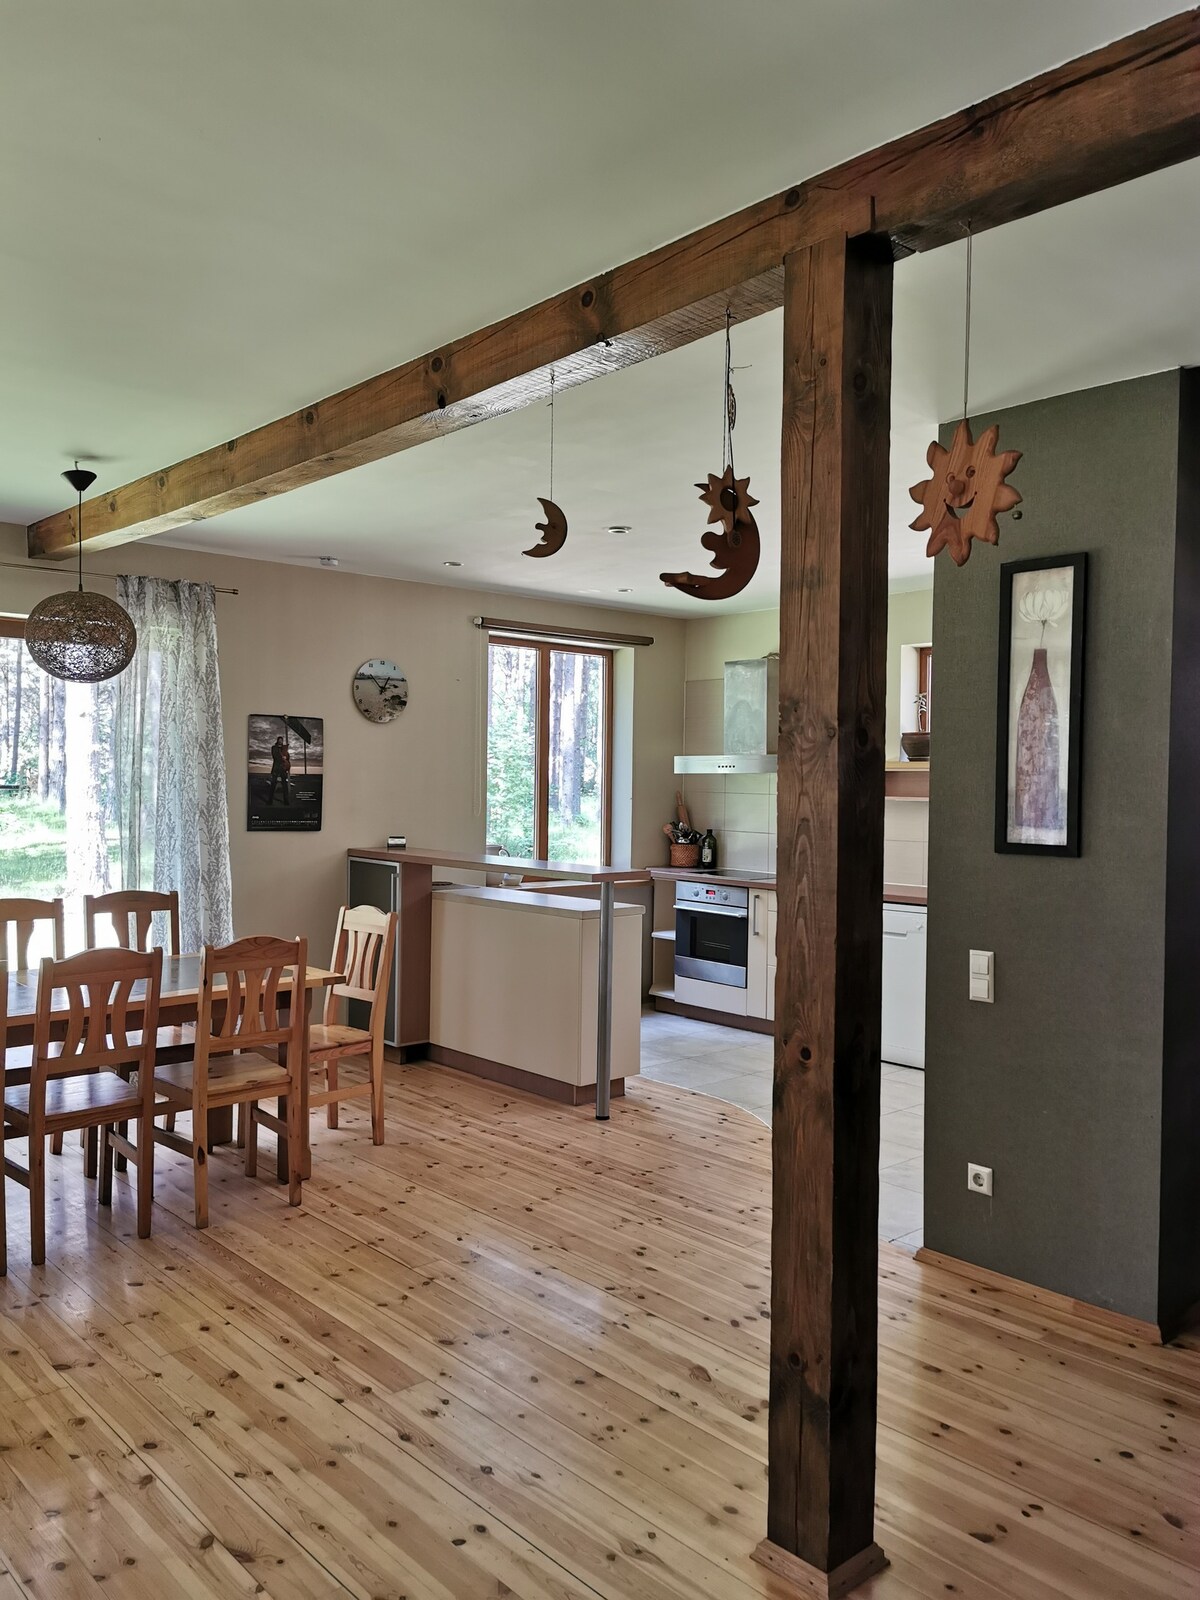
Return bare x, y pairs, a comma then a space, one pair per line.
903, 1029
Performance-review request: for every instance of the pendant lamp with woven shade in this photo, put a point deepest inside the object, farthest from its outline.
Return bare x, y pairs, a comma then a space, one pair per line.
77, 636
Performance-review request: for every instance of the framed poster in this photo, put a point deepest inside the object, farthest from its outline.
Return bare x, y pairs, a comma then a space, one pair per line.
1039, 721
285, 762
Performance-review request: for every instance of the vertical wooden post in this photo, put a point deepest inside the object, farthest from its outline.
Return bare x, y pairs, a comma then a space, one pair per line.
825, 1139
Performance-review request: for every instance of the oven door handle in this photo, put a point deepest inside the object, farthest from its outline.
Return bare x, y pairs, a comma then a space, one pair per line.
714, 911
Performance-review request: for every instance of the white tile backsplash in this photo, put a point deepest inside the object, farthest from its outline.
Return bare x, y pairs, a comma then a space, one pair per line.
741, 811
745, 852
749, 813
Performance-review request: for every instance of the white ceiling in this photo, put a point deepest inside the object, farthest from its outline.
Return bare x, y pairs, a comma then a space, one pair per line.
216, 213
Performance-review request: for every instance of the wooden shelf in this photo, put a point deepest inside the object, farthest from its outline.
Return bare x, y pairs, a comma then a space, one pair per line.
906, 780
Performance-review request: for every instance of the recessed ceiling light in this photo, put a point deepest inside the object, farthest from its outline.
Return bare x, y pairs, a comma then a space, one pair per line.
452, 563
624, 591
620, 527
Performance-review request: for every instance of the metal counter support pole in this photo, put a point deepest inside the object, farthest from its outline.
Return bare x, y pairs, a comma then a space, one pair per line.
604, 1003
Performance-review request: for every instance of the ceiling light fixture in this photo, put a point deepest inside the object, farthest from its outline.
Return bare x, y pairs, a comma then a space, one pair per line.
452, 563
624, 591
77, 636
620, 527
328, 561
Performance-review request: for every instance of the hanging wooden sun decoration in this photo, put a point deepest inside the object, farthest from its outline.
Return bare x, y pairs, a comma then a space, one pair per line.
554, 529
967, 491
735, 549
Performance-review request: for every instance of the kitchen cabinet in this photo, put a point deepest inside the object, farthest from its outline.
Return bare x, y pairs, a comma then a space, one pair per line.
760, 957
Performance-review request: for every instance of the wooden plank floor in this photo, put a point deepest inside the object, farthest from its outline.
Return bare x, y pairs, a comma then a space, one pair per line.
517, 1353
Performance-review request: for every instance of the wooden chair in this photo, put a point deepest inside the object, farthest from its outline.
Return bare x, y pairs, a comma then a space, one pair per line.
235, 1060
362, 952
23, 915
84, 1080
131, 913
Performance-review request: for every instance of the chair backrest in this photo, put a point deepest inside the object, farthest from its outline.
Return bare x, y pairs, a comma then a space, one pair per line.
22, 915
243, 980
131, 912
108, 1025
362, 953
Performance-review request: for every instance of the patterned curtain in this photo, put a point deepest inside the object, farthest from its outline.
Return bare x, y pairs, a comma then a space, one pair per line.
170, 757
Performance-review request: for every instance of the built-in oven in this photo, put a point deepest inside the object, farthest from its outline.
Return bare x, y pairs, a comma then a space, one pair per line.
712, 926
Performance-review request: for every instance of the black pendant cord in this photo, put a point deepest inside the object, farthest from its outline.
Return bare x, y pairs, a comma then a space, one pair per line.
79, 535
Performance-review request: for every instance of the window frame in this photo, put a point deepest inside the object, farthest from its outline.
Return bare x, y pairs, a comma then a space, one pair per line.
925, 683
544, 648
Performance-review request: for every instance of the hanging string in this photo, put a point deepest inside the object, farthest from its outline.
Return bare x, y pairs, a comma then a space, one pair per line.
552, 433
967, 331
80, 535
728, 402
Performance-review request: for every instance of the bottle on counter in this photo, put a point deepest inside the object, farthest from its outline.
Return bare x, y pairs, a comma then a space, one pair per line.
708, 852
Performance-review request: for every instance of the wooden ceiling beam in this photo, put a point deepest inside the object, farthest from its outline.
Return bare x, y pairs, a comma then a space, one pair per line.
1115, 114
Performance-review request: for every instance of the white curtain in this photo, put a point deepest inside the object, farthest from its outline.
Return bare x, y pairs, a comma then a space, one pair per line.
170, 756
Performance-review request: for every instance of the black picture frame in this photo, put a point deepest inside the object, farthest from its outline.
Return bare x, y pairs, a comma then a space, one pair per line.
1031, 817
284, 792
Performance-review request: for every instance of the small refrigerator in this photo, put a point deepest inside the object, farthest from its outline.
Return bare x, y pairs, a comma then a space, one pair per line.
903, 1032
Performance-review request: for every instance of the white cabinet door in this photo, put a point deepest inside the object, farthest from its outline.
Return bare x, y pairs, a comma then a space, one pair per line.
760, 959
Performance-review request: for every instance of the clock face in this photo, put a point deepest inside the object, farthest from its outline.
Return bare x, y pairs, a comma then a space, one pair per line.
380, 690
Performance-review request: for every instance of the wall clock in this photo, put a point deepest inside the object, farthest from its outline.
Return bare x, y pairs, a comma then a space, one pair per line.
380, 690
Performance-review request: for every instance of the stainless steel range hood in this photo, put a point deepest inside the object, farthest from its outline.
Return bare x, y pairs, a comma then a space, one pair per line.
751, 721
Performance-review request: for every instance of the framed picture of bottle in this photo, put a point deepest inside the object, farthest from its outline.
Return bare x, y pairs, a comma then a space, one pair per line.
1039, 723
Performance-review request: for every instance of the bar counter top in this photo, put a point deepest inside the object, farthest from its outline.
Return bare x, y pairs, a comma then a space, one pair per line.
480, 861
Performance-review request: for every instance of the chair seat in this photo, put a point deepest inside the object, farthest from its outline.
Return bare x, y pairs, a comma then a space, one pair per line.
92, 1097
230, 1079
328, 1037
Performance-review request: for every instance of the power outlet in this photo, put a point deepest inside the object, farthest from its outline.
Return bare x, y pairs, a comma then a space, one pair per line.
979, 1179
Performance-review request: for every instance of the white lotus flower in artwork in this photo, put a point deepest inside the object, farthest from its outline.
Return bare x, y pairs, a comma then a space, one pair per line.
1046, 607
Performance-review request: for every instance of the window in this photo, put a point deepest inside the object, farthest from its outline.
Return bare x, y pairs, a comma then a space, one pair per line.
925, 685
549, 742
58, 828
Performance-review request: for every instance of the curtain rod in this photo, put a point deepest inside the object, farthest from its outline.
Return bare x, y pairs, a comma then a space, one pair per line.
36, 566
529, 630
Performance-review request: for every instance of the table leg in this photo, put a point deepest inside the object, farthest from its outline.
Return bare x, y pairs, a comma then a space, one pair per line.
281, 1165
604, 1003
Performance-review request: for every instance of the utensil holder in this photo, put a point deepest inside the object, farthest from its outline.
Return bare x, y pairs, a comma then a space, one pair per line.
685, 855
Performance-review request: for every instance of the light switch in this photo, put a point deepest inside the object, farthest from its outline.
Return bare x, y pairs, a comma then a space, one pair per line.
981, 976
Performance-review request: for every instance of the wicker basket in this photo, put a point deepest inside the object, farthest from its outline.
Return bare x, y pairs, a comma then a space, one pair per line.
685, 855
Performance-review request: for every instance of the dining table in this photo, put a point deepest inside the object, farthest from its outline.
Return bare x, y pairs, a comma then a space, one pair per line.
179, 1003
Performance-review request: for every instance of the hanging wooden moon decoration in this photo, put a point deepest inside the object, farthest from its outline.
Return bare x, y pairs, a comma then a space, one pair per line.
553, 531
735, 549
967, 491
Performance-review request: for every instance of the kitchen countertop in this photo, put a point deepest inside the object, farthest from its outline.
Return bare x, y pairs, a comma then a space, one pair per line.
899, 894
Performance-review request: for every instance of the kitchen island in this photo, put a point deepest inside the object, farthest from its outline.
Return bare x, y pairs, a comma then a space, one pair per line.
513, 992
402, 880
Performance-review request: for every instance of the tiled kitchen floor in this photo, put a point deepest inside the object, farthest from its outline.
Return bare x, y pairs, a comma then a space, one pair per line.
736, 1066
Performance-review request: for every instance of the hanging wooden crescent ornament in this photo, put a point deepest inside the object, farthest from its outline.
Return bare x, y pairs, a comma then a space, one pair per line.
735, 548
966, 493
553, 531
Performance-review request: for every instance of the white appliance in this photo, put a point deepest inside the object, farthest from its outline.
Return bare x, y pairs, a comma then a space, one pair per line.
903, 1036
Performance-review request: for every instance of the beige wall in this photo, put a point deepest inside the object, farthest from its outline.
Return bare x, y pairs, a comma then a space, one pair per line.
290, 641
741, 809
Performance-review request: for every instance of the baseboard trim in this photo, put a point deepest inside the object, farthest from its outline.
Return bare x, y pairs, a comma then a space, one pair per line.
567, 1094
727, 1019
809, 1580
1114, 1321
